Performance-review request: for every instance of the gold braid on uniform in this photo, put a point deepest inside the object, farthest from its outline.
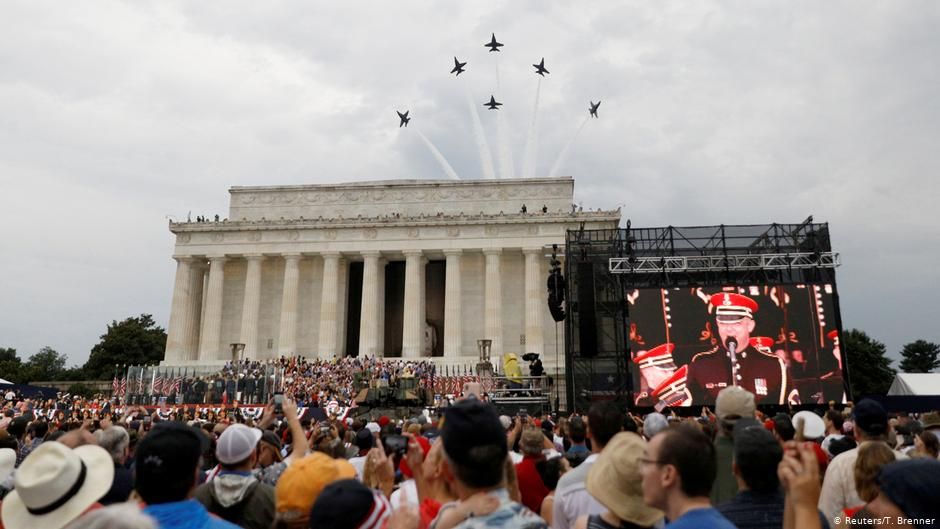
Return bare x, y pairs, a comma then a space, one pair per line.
711, 351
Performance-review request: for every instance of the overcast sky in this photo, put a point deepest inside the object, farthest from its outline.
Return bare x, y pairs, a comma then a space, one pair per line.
116, 115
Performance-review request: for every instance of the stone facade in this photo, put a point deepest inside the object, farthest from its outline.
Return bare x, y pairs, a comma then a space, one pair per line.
278, 275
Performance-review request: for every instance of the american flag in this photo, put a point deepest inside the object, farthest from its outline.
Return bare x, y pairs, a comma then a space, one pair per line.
177, 382
115, 384
157, 388
124, 385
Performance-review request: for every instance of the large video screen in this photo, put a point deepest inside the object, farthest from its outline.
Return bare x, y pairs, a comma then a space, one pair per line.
779, 342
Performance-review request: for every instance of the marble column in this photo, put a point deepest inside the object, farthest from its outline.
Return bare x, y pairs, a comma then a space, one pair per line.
287, 337
493, 302
328, 306
534, 301
176, 338
369, 312
192, 324
453, 332
209, 346
412, 345
251, 306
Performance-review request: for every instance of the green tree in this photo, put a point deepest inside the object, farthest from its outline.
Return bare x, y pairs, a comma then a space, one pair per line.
11, 368
47, 364
132, 341
920, 357
8, 354
870, 368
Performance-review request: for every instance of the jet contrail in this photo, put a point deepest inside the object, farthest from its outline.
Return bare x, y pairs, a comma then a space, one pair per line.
502, 137
532, 140
440, 157
486, 158
564, 151
505, 152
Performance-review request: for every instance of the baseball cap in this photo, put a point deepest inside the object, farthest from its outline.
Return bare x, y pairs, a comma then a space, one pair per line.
236, 444
373, 427
505, 421
270, 438
169, 453
468, 424
912, 485
734, 401
348, 504
303, 480
653, 424
813, 425
365, 439
871, 417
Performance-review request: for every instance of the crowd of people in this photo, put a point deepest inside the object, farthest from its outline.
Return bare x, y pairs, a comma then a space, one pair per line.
469, 467
308, 381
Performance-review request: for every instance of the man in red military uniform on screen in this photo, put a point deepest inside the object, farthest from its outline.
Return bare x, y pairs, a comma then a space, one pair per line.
735, 361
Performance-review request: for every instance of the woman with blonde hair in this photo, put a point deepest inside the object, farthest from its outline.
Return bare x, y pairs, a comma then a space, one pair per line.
871, 457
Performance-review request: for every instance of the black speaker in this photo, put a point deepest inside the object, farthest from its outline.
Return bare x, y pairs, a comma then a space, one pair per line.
587, 319
556, 293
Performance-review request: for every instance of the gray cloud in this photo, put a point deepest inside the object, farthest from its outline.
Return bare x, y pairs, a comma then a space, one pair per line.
116, 114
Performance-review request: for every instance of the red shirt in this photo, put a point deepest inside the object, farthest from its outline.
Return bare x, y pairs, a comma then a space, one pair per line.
531, 487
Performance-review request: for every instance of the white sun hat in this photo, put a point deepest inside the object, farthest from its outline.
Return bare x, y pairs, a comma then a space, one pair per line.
55, 485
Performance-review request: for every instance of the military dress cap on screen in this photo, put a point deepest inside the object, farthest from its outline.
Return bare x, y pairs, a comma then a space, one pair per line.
673, 391
731, 307
656, 357
761, 342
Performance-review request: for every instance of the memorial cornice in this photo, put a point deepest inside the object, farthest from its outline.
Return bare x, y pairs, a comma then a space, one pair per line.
389, 221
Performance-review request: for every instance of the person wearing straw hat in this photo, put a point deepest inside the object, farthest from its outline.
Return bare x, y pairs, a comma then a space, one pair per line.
616, 482
55, 485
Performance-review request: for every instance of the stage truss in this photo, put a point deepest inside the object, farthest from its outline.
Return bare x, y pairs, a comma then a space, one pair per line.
666, 257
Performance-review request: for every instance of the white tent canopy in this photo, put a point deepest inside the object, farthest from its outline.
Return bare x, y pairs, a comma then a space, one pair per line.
2, 381
915, 384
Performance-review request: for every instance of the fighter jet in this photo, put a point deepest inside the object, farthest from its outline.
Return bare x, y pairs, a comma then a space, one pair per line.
458, 67
492, 44
492, 104
540, 68
593, 109
404, 118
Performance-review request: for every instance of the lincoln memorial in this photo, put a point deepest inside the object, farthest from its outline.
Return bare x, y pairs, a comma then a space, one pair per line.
404, 268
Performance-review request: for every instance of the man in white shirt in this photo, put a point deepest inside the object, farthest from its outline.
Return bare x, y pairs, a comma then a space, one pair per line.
571, 496
838, 490
833, 420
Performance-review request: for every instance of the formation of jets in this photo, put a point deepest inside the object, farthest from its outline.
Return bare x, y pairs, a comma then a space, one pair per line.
493, 104
593, 109
492, 44
540, 68
458, 67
